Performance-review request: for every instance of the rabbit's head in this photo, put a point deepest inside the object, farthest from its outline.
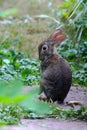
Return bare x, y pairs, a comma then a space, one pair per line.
46, 48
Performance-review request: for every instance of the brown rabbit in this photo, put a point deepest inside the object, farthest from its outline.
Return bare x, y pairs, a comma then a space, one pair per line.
56, 73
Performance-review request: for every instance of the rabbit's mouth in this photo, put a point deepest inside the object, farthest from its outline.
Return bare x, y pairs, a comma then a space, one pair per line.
44, 52
45, 55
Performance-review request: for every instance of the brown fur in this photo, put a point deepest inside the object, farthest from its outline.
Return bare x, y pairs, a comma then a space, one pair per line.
56, 73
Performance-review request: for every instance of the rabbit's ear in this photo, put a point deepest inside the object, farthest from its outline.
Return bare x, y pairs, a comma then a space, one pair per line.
57, 37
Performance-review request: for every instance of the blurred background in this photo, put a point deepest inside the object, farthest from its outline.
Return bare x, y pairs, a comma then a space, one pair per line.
30, 21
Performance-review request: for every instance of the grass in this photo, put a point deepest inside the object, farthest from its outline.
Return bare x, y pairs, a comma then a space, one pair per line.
31, 7
27, 36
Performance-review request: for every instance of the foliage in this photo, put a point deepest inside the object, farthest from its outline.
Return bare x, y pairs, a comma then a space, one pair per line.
80, 114
7, 13
77, 59
10, 96
73, 14
14, 64
16, 104
10, 114
73, 17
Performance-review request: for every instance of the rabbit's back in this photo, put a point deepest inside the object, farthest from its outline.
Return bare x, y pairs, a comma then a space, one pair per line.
56, 77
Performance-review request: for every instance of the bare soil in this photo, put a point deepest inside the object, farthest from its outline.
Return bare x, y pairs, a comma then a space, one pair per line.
49, 124
76, 93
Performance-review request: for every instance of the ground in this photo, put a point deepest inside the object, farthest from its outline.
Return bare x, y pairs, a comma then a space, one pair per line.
76, 93
49, 124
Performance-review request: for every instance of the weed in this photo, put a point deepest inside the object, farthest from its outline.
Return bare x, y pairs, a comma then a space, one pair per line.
15, 64
10, 114
73, 17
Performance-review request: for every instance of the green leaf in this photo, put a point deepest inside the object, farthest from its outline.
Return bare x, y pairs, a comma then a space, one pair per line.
8, 12
33, 104
11, 91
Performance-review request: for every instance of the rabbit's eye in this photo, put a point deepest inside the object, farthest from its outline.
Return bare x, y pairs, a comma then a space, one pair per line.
45, 47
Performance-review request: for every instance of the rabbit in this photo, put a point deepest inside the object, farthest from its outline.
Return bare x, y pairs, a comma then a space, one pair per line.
56, 75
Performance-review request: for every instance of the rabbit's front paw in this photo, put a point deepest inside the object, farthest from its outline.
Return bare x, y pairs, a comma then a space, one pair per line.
43, 97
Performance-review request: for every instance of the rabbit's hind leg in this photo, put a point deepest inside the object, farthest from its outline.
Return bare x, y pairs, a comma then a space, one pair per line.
60, 101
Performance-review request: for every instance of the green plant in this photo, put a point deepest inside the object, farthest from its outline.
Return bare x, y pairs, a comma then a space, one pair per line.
8, 12
14, 64
80, 114
77, 60
73, 18
73, 14
12, 96
14, 102
10, 114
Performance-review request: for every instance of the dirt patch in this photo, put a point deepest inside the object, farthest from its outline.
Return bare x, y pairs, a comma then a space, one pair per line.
55, 124
49, 124
76, 93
